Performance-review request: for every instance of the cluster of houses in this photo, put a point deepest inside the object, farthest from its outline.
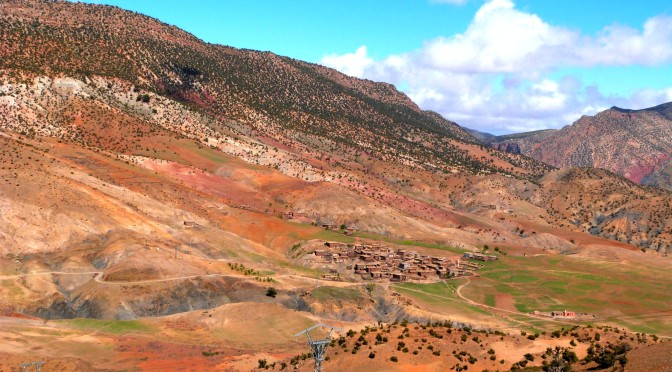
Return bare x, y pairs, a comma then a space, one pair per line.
376, 261
479, 256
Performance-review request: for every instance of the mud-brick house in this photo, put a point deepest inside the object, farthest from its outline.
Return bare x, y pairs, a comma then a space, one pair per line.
481, 257
376, 273
426, 260
566, 314
457, 271
367, 258
336, 245
405, 265
191, 224
425, 274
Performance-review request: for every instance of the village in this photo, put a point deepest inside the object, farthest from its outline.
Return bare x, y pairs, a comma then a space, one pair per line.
377, 261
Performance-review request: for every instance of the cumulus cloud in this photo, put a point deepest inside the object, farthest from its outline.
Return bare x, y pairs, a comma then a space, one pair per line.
352, 64
494, 75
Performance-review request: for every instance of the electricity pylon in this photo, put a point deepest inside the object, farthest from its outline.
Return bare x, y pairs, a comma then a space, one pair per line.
318, 347
37, 365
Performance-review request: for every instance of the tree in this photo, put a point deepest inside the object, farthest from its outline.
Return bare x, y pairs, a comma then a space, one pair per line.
609, 355
561, 359
271, 292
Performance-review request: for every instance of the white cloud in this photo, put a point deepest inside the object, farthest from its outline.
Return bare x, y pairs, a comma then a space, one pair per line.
352, 64
494, 75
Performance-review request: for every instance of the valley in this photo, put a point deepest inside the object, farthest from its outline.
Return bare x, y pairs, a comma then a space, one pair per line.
163, 201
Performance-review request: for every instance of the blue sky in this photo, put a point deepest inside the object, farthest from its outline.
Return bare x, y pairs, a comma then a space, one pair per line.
497, 65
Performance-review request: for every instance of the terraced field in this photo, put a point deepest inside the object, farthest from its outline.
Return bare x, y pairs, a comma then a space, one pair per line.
612, 294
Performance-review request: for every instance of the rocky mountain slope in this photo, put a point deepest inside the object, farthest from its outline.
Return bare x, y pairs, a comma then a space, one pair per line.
146, 175
636, 144
282, 101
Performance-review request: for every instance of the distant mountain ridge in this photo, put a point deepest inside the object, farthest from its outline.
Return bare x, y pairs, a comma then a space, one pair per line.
635, 144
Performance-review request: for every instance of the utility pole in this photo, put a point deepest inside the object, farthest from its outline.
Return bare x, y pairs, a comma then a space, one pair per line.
38, 366
318, 347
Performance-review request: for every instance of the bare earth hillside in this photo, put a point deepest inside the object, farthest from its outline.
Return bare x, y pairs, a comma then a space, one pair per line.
155, 188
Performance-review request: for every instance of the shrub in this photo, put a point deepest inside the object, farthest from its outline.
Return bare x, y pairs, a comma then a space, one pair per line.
271, 292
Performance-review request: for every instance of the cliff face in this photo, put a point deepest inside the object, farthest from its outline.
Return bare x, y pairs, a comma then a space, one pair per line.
522, 141
507, 147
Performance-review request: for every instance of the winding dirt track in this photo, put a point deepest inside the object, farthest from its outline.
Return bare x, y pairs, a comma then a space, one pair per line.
466, 300
98, 278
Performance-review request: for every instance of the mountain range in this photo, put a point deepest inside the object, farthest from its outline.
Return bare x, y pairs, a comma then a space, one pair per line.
153, 187
635, 144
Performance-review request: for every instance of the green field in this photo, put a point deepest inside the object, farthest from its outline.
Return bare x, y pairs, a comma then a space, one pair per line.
412, 243
329, 293
618, 294
107, 326
623, 295
332, 236
439, 296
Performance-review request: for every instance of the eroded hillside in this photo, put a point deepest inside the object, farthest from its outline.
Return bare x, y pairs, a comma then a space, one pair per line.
282, 101
154, 188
